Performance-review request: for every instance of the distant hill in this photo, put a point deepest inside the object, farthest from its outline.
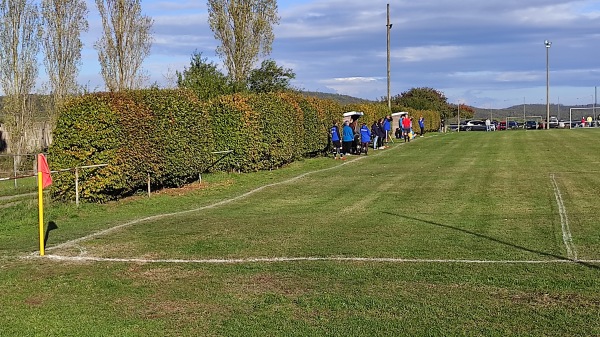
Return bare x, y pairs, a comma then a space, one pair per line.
342, 99
561, 111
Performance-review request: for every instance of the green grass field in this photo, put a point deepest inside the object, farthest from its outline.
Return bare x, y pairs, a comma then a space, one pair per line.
462, 234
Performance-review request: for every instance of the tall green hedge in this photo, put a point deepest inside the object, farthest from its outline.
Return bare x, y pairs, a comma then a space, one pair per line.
163, 133
171, 137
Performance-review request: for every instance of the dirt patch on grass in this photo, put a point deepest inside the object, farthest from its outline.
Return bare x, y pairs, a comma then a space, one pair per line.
552, 300
162, 275
195, 186
183, 189
35, 302
268, 283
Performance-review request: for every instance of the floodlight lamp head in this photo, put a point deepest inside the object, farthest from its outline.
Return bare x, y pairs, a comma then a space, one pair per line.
547, 43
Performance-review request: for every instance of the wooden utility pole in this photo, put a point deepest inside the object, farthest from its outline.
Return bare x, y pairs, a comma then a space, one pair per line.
389, 27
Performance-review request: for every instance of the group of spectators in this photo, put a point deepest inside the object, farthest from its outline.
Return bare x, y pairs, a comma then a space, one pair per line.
353, 141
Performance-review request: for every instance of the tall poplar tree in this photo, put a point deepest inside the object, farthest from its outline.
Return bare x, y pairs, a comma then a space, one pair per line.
19, 45
63, 22
245, 30
125, 43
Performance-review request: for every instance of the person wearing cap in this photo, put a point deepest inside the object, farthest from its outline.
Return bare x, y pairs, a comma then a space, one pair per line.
365, 137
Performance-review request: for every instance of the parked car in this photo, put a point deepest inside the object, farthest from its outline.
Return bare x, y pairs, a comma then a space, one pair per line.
472, 125
531, 125
511, 125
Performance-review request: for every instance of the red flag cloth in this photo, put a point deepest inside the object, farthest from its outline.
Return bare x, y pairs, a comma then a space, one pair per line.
43, 168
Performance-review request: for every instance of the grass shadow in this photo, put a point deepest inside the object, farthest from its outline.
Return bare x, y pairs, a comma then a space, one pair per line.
509, 244
51, 226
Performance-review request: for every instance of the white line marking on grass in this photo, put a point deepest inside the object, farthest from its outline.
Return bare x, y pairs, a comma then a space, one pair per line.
298, 259
564, 222
217, 204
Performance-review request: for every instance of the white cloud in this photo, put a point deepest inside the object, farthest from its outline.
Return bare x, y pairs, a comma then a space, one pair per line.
507, 76
351, 80
428, 53
354, 86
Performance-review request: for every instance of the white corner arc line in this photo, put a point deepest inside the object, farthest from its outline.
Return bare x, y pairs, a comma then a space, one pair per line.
564, 222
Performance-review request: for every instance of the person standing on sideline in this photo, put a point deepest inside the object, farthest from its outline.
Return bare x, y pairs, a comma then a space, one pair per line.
365, 137
422, 125
375, 134
347, 139
488, 125
381, 134
336, 140
406, 124
387, 127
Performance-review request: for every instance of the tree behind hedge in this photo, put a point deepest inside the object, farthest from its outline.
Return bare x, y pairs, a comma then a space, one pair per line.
204, 78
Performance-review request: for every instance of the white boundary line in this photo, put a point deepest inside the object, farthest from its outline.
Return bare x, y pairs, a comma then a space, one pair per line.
220, 203
301, 259
564, 222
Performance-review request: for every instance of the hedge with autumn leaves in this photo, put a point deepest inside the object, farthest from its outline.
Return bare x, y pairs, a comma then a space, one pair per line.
170, 136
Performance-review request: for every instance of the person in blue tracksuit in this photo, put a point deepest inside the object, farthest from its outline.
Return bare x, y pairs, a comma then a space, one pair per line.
422, 125
347, 138
365, 137
336, 140
387, 127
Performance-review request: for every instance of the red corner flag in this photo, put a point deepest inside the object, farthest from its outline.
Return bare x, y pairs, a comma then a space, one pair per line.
43, 168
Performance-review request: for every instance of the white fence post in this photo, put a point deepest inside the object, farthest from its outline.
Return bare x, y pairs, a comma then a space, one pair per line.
77, 186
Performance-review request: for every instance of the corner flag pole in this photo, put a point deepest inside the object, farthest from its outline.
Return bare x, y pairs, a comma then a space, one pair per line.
44, 180
41, 211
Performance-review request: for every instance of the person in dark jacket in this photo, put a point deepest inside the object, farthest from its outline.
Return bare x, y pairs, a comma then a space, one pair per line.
365, 137
375, 134
382, 133
336, 140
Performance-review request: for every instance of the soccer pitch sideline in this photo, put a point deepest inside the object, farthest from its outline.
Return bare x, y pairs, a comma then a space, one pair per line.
455, 234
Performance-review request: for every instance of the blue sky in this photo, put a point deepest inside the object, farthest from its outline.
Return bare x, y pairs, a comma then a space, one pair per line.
485, 53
